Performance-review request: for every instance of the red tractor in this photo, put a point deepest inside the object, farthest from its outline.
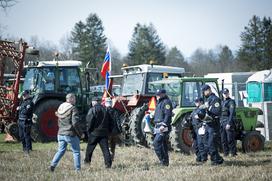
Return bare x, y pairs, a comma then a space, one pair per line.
136, 92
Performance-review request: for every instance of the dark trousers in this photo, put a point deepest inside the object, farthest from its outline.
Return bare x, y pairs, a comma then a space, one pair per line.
195, 143
212, 136
103, 143
25, 135
161, 148
228, 140
202, 145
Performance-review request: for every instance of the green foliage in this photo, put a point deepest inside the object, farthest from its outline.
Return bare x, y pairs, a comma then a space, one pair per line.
146, 46
255, 51
89, 41
175, 58
225, 59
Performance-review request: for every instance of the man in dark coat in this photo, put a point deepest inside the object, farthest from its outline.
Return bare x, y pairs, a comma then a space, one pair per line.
98, 127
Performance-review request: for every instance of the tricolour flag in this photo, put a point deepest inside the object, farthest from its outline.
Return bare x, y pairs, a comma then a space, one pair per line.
106, 68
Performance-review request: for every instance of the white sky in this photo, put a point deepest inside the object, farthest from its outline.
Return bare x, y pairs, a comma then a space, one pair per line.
187, 24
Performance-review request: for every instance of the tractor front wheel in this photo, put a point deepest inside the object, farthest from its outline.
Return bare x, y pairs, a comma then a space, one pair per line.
45, 122
180, 137
253, 142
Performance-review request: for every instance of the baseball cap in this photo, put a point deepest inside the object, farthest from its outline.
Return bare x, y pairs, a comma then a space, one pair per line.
26, 92
225, 91
205, 87
200, 99
160, 91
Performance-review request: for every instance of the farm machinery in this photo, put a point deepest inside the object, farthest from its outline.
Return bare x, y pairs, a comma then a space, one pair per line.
48, 82
183, 92
136, 92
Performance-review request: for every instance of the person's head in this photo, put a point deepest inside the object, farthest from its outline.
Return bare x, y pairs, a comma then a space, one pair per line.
199, 101
71, 98
108, 102
26, 94
160, 93
206, 89
95, 101
225, 92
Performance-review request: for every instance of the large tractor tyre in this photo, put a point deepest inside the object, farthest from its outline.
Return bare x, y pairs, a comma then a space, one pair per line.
13, 130
136, 127
181, 137
45, 122
252, 142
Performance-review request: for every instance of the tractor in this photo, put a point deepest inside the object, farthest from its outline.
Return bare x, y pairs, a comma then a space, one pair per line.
135, 94
48, 82
183, 92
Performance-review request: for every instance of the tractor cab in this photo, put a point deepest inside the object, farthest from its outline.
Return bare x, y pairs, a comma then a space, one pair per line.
53, 77
136, 79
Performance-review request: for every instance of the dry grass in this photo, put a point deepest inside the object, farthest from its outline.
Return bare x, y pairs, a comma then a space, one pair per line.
131, 163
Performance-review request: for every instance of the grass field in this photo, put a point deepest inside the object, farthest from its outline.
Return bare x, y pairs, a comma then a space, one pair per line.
131, 163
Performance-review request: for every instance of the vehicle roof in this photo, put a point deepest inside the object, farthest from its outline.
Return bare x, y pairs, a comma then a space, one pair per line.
183, 79
154, 68
63, 63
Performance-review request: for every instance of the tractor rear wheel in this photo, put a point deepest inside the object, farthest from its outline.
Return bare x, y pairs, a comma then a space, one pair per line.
252, 142
136, 127
45, 122
180, 137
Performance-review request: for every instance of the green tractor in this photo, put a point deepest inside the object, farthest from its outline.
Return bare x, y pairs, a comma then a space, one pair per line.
49, 82
183, 92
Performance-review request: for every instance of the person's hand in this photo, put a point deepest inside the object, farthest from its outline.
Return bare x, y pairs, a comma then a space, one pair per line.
18, 108
196, 116
227, 127
82, 136
161, 129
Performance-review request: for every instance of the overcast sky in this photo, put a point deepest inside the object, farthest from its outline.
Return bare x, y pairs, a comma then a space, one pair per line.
187, 24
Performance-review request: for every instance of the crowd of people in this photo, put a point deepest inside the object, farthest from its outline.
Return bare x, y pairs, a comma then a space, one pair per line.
211, 119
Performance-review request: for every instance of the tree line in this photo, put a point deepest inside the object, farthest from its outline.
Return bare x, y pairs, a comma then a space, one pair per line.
87, 42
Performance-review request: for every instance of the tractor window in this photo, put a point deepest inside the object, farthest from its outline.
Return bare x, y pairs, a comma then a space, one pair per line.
132, 84
31, 79
173, 92
191, 91
152, 77
69, 80
48, 78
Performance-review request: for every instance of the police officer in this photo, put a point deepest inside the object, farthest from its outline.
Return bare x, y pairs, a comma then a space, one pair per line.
227, 124
99, 126
162, 119
25, 121
199, 142
213, 106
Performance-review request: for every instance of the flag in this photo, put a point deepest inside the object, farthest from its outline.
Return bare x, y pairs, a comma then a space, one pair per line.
106, 68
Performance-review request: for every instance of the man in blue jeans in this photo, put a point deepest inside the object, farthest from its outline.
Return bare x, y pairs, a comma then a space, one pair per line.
69, 131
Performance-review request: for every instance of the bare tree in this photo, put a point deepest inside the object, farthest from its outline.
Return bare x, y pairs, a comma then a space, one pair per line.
7, 3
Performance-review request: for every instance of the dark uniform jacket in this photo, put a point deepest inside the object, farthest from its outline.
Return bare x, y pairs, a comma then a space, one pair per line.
214, 106
26, 110
69, 122
228, 111
115, 121
163, 111
98, 121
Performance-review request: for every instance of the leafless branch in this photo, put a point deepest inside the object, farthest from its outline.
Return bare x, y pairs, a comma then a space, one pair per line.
7, 3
